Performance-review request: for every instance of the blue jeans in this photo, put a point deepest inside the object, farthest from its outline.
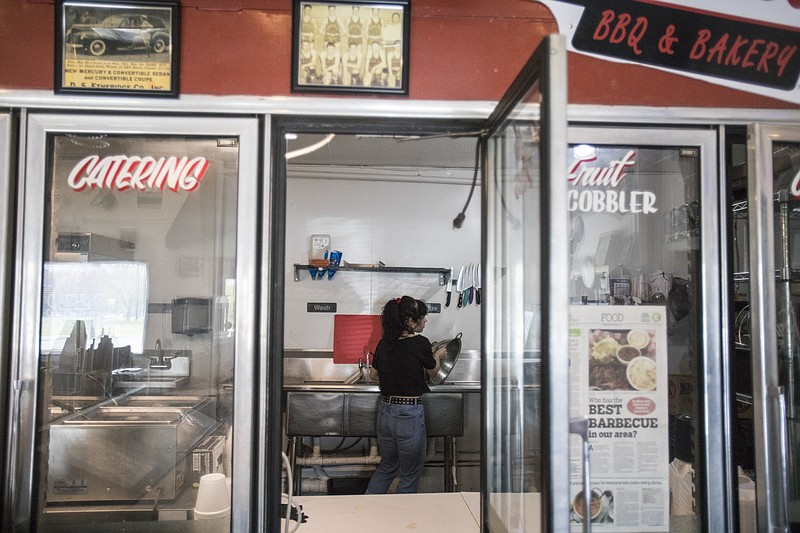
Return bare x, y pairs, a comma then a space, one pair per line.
401, 444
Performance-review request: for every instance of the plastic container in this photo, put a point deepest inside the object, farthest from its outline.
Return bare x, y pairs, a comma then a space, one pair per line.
640, 289
213, 498
319, 250
620, 283
681, 488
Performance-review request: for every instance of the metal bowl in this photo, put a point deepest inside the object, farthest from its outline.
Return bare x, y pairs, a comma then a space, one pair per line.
448, 359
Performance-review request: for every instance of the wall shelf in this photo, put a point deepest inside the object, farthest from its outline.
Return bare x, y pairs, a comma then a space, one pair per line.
442, 273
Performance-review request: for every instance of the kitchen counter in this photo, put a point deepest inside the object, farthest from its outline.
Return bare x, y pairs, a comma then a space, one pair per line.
351, 410
389, 513
291, 384
314, 370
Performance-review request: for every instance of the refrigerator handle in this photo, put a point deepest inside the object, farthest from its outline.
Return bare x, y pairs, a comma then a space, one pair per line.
782, 514
13, 448
580, 426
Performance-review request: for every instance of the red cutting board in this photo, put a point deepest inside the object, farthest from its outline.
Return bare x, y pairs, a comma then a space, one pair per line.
354, 336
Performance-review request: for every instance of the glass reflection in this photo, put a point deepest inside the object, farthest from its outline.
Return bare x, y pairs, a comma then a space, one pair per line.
635, 333
513, 336
136, 343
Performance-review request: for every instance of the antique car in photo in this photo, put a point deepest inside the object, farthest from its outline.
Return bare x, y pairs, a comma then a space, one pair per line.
120, 32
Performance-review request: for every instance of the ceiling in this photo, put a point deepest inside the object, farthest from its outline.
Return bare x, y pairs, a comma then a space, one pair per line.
387, 157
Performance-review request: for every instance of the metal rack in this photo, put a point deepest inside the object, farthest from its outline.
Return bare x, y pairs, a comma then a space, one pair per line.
787, 210
442, 273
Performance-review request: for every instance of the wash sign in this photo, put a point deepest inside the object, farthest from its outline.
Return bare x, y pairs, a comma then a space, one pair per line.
709, 40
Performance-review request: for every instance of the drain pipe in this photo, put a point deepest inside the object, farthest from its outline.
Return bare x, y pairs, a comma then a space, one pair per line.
318, 459
431, 445
372, 459
317, 484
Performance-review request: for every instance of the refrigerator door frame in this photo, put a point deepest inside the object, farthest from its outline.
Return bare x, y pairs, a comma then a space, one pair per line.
715, 481
546, 67
7, 158
28, 259
768, 396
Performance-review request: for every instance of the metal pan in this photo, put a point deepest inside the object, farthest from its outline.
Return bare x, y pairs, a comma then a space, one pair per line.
448, 359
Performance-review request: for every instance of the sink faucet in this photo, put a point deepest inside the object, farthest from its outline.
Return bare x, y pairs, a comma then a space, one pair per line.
365, 369
362, 374
159, 363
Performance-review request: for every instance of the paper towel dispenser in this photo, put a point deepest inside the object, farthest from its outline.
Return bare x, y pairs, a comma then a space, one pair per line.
191, 316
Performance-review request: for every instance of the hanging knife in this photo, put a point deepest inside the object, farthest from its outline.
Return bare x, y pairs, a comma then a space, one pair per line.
466, 288
478, 286
472, 288
449, 288
460, 286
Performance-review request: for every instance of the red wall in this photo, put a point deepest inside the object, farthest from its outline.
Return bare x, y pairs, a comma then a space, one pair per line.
460, 50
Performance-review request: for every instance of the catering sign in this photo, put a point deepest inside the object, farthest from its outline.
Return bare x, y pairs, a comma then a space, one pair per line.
618, 379
713, 41
123, 172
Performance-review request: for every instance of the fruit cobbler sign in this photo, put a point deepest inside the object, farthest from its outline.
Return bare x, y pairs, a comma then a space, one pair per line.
598, 188
717, 41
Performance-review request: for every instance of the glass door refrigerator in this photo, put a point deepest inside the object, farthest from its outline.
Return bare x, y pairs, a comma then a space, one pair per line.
525, 467
766, 368
603, 390
132, 348
645, 332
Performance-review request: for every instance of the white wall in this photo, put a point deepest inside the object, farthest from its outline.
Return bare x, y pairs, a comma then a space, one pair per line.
399, 223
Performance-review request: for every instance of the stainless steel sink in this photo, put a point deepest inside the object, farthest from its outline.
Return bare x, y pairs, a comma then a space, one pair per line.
120, 449
352, 412
338, 382
131, 415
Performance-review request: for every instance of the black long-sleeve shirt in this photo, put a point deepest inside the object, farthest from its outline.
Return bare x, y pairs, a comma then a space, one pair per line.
401, 366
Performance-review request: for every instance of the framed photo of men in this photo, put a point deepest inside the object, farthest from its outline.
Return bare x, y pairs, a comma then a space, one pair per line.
350, 47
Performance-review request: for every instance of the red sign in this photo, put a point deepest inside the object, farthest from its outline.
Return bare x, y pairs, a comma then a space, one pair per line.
689, 41
751, 45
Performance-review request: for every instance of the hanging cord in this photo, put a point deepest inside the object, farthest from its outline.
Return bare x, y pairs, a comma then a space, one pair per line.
289, 482
459, 220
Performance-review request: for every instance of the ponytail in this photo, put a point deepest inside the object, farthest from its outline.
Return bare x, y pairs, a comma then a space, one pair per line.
396, 314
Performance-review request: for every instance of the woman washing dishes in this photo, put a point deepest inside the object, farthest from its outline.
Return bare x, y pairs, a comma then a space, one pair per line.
401, 360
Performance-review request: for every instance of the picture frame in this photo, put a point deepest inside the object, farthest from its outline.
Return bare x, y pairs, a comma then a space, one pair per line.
117, 47
353, 46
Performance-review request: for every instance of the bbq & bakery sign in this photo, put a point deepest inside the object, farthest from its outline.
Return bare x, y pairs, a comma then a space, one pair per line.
713, 40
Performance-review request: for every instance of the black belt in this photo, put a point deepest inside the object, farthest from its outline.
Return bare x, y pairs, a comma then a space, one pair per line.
403, 400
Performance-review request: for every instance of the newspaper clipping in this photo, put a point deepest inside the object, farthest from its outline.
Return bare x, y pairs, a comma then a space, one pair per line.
618, 369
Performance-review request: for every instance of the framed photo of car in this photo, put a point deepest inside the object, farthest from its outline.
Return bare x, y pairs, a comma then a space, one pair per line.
350, 46
112, 47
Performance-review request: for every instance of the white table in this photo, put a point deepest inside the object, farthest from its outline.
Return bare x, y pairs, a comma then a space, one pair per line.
390, 513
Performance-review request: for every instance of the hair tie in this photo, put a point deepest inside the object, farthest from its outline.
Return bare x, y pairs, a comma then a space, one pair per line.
397, 300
